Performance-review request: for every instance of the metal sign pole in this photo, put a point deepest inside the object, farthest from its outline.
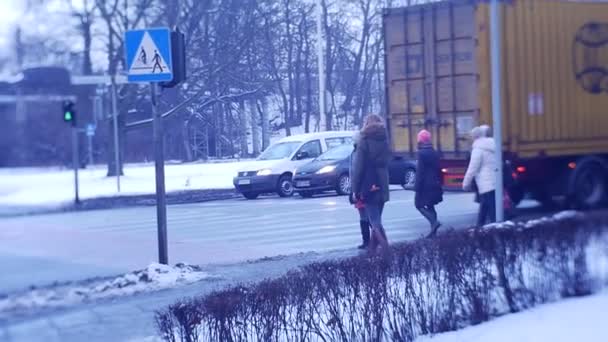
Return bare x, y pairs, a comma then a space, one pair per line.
495, 41
159, 159
149, 59
115, 123
75, 163
90, 149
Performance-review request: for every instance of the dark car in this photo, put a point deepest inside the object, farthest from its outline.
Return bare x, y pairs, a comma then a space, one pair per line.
328, 172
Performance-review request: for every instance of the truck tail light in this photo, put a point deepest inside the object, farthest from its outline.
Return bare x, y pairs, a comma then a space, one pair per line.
572, 165
521, 169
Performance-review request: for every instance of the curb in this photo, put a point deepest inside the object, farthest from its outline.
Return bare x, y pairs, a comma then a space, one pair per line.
99, 203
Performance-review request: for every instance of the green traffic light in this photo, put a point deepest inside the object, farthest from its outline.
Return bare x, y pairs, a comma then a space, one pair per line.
67, 116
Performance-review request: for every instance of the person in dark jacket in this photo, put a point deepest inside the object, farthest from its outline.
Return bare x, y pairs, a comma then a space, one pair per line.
359, 205
370, 176
428, 187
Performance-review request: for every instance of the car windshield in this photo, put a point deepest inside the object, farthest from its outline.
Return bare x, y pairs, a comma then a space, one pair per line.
337, 153
279, 151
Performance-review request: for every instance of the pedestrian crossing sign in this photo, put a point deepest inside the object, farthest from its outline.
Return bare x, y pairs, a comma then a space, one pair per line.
148, 55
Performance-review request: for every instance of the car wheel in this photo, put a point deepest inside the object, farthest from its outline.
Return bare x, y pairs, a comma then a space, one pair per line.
306, 194
343, 188
285, 186
409, 179
251, 195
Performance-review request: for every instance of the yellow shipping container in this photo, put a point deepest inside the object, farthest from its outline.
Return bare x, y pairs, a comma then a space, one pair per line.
554, 67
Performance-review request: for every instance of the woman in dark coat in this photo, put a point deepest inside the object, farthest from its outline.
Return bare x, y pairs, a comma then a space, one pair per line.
370, 176
428, 188
359, 205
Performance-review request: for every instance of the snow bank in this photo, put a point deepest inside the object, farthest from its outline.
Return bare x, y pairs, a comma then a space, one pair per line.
155, 277
563, 215
579, 319
55, 186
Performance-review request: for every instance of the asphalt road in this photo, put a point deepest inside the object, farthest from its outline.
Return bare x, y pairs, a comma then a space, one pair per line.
38, 250
220, 235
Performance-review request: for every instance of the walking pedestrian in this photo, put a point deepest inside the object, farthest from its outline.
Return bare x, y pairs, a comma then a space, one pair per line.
484, 131
359, 205
429, 191
370, 177
481, 170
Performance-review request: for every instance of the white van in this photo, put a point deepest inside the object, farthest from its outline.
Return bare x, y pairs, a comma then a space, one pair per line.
272, 171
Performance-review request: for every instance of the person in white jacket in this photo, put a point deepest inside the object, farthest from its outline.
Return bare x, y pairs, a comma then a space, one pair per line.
482, 168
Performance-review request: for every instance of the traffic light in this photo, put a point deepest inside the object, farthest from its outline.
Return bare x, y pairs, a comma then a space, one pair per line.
69, 114
178, 55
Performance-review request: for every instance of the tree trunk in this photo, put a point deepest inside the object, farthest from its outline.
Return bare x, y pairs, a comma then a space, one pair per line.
243, 128
263, 110
87, 64
255, 127
186, 141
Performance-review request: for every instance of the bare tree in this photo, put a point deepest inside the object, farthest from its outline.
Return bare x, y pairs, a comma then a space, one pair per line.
85, 17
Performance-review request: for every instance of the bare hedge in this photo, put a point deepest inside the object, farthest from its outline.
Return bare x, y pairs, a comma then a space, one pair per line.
426, 287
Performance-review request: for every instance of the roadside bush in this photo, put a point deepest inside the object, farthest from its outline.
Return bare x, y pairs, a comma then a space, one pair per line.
427, 286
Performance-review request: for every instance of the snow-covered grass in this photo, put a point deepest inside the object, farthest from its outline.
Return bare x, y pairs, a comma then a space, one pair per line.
155, 277
54, 186
578, 319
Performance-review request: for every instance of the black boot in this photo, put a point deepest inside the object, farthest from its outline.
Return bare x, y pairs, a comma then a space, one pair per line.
434, 228
364, 234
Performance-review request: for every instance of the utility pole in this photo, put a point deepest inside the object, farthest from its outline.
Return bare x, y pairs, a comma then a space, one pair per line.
495, 45
321, 65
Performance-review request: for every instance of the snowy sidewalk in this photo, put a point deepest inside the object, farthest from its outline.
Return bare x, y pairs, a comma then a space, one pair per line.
569, 320
23, 187
132, 318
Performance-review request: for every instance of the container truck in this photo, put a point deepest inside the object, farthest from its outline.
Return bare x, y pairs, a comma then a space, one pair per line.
554, 86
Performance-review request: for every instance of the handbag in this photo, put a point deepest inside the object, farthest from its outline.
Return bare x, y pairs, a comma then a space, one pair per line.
507, 203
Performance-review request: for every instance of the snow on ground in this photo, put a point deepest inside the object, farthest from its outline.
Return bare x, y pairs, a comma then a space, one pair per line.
562, 215
54, 186
577, 319
155, 277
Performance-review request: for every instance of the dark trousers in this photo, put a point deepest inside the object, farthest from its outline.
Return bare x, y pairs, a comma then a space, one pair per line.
428, 211
487, 208
374, 214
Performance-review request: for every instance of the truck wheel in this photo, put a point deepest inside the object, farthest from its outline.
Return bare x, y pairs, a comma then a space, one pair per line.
517, 194
285, 186
588, 186
343, 187
251, 195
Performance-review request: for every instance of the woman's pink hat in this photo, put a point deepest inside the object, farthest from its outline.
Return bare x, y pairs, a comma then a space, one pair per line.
424, 136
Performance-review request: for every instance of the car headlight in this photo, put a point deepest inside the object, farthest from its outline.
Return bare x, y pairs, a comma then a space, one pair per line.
327, 169
264, 172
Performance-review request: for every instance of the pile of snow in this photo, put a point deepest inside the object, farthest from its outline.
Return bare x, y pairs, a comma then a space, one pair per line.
563, 215
155, 277
579, 319
55, 186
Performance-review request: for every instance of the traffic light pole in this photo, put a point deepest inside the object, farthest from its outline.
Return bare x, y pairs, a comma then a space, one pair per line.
75, 162
159, 160
115, 124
